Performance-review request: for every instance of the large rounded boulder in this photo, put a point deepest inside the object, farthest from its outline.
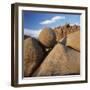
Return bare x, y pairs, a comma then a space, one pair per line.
47, 37
33, 55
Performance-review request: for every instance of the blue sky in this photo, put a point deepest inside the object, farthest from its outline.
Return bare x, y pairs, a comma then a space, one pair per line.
35, 21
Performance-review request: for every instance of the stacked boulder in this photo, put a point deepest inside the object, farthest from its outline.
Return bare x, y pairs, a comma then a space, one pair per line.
63, 57
47, 37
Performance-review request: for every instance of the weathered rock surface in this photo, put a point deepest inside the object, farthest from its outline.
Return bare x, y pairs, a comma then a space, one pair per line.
63, 41
62, 31
60, 61
43, 57
47, 37
59, 33
33, 55
73, 40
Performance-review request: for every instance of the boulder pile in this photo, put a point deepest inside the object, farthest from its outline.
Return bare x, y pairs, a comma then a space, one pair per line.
56, 52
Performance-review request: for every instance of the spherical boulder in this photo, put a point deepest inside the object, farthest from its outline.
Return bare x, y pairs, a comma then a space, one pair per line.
47, 37
33, 55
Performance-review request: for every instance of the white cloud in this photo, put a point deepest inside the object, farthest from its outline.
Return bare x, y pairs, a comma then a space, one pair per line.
52, 20
32, 33
58, 18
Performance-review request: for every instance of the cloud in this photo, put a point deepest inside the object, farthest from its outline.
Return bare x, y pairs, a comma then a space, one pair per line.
58, 18
32, 33
52, 20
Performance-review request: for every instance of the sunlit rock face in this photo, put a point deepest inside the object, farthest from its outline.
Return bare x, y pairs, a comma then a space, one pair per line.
47, 37
52, 52
61, 60
63, 31
73, 40
33, 55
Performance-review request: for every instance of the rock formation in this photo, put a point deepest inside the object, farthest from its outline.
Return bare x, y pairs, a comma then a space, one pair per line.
33, 55
55, 52
62, 31
47, 37
73, 40
60, 61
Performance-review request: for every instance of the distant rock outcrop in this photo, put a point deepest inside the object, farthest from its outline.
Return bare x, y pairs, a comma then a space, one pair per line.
33, 55
61, 60
73, 40
62, 31
47, 37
